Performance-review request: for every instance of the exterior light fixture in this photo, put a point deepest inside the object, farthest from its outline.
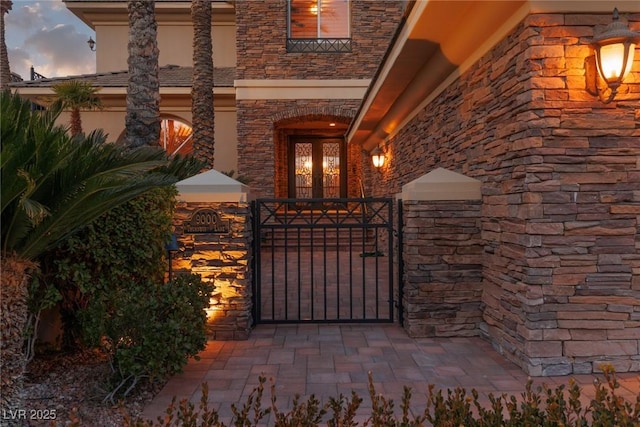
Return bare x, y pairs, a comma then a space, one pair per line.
614, 51
377, 156
92, 44
171, 247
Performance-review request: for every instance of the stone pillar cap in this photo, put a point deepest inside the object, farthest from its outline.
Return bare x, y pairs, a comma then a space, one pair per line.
212, 186
442, 184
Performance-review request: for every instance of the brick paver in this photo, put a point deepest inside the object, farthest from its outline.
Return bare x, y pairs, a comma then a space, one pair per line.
326, 360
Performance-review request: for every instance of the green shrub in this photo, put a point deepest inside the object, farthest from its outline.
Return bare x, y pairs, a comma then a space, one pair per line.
152, 329
542, 407
111, 277
122, 247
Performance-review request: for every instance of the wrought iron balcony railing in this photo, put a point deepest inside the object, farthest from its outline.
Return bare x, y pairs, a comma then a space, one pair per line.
318, 45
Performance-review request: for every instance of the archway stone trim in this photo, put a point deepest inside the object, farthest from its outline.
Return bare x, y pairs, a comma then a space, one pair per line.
303, 114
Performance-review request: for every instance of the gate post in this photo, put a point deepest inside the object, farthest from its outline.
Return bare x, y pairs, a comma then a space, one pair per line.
442, 255
212, 223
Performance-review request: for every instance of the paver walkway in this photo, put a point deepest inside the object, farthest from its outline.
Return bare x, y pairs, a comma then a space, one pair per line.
326, 360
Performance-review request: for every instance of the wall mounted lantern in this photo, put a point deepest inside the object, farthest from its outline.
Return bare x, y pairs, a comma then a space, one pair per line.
171, 247
92, 44
614, 51
377, 156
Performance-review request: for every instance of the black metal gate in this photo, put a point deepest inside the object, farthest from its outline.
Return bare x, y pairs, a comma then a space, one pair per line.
323, 260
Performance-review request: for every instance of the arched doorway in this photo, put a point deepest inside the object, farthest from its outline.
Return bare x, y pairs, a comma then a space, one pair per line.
312, 159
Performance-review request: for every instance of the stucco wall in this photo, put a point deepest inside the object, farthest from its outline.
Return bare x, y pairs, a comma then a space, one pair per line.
112, 122
561, 201
175, 42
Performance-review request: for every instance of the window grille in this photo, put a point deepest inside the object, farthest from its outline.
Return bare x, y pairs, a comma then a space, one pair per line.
318, 45
318, 26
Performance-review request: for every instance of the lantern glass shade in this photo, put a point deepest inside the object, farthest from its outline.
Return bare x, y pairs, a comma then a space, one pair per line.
614, 50
615, 60
377, 157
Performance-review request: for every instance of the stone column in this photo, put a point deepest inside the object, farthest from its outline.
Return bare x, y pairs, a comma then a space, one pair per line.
442, 253
212, 224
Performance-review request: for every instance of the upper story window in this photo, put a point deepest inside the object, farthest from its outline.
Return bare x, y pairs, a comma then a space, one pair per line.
319, 26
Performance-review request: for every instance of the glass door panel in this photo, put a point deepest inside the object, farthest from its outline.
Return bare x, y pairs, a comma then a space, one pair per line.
315, 169
330, 169
303, 153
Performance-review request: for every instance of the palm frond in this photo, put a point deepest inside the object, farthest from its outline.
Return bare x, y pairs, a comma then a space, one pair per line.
53, 184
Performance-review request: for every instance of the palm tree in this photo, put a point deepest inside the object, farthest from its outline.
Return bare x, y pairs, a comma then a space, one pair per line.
202, 82
76, 95
51, 186
5, 70
142, 121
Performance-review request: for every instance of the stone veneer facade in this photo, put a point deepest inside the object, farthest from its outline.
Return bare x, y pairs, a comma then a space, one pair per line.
261, 52
222, 258
560, 212
442, 268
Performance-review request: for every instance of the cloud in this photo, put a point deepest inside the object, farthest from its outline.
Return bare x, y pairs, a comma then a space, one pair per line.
49, 37
25, 16
64, 50
19, 61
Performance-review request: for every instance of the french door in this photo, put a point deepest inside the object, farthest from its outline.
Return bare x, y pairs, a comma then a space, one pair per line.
316, 168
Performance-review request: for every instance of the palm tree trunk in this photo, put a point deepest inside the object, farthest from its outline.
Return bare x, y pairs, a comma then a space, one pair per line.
202, 84
5, 70
13, 319
142, 121
76, 122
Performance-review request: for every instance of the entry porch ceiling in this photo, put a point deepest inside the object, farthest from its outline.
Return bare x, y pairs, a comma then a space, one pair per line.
437, 42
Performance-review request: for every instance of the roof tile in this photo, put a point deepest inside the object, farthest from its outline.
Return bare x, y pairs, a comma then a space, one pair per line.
170, 76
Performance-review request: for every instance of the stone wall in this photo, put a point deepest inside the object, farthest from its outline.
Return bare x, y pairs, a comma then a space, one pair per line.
261, 29
262, 145
560, 176
442, 268
224, 259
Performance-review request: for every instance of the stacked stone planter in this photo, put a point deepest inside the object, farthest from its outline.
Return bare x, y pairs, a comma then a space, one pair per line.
442, 255
213, 229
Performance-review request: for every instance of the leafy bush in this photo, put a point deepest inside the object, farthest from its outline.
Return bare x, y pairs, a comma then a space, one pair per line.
121, 249
151, 329
52, 185
111, 277
542, 407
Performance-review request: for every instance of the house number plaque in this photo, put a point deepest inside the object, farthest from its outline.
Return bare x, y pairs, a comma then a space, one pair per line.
206, 221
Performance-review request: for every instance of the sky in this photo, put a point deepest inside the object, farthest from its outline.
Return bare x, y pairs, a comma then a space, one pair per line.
46, 35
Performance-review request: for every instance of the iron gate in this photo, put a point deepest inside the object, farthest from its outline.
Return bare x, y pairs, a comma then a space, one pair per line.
323, 260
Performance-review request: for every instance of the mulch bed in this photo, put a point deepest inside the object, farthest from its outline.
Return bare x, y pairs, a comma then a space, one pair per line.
71, 387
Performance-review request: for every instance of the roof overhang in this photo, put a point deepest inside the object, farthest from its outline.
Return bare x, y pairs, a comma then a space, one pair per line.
101, 11
437, 42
